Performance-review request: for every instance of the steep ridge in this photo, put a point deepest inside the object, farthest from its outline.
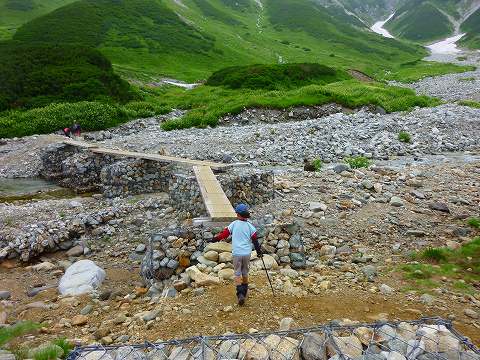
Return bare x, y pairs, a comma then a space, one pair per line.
189, 39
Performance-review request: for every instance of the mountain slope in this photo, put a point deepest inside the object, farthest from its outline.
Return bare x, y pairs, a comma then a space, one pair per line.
425, 21
471, 27
189, 39
14, 13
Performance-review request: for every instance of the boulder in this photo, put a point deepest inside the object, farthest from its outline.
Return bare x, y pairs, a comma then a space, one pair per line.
205, 261
286, 324
179, 353
282, 348
75, 251
219, 247
226, 274
211, 255
200, 278
251, 350
129, 353
270, 263
396, 201
313, 347
229, 349
81, 277
225, 257
348, 345
438, 206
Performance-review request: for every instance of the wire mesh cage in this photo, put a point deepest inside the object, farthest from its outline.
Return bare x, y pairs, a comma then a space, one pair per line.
424, 339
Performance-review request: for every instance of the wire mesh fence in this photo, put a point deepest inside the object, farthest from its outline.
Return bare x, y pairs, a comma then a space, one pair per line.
424, 339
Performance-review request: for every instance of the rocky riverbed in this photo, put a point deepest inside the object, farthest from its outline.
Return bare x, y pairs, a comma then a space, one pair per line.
359, 228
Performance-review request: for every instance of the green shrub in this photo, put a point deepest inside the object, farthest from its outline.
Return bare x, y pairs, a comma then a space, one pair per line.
470, 103
358, 162
404, 136
474, 222
317, 164
37, 75
434, 254
278, 76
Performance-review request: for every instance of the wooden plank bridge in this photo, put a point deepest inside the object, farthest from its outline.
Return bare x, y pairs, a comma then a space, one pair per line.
216, 202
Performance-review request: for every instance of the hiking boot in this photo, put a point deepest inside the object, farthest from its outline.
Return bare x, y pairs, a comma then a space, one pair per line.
245, 289
240, 295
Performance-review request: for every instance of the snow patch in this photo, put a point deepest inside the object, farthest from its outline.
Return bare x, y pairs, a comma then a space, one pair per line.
379, 29
447, 46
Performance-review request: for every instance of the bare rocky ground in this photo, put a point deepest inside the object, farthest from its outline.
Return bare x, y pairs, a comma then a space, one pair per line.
360, 225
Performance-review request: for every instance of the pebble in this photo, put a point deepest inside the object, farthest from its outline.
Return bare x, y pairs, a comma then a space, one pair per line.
5, 295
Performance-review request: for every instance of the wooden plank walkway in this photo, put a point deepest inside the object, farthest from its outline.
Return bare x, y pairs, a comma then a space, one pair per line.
217, 204
138, 155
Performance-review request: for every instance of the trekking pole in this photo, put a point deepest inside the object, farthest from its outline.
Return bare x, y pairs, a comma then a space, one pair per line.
268, 276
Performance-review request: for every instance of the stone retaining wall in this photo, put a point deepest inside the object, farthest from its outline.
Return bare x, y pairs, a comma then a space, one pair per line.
170, 252
83, 170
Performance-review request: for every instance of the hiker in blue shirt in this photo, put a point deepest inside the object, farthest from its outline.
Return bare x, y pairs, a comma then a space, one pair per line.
243, 235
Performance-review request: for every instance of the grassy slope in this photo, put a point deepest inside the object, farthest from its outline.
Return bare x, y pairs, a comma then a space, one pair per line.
14, 13
217, 33
472, 27
410, 22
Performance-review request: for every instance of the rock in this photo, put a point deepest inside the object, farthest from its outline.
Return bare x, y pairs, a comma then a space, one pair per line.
438, 206
370, 272
120, 319
328, 250
341, 168
5, 295
81, 277
3, 317
219, 247
270, 263
291, 273
438, 338
286, 324
169, 292
399, 345
151, 315
204, 261
427, 299
79, 320
396, 201
365, 335
386, 333
75, 251
385, 289
282, 348
471, 313
415, 348
140, 248
105, 295
325, 285
96, 355
43, 266
179, 353
251, 350
129, 353
200, 278
229, 349
180, 285
313, 347
317, 207
395, 356
348, 345
225, 257
6, 355
226, 274
86, 310
211, 255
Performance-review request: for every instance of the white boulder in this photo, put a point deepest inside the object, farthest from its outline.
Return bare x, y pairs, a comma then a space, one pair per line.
80, 278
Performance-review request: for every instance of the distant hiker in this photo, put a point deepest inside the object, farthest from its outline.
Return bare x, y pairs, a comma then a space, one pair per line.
243, 235
308, 165
76, 130
67, 132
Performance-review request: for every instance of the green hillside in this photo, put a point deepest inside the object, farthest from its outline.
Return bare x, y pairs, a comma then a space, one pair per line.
471, 26
14, 13
410, 22
192, 38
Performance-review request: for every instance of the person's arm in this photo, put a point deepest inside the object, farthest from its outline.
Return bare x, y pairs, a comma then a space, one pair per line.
256, 244
224, 234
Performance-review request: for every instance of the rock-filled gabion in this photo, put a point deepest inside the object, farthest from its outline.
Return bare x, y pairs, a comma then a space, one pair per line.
83, 170
171, 252
427, 339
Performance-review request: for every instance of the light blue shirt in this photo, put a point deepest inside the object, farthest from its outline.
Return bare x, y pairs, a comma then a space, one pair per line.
241, 232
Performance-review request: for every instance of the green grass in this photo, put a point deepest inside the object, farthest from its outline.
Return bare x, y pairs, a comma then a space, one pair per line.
467, 79
317, 164
14, 331
404, 137
461, 266
358, 162
470, 103
474, 222
417, 70
208, 104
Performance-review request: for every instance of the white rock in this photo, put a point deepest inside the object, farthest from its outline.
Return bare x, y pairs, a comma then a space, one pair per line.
270, 263
81, 277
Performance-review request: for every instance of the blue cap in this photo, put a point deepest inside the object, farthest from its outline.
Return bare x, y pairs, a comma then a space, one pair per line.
241, 209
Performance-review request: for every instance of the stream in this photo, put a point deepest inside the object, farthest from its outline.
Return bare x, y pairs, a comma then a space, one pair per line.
31, 189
